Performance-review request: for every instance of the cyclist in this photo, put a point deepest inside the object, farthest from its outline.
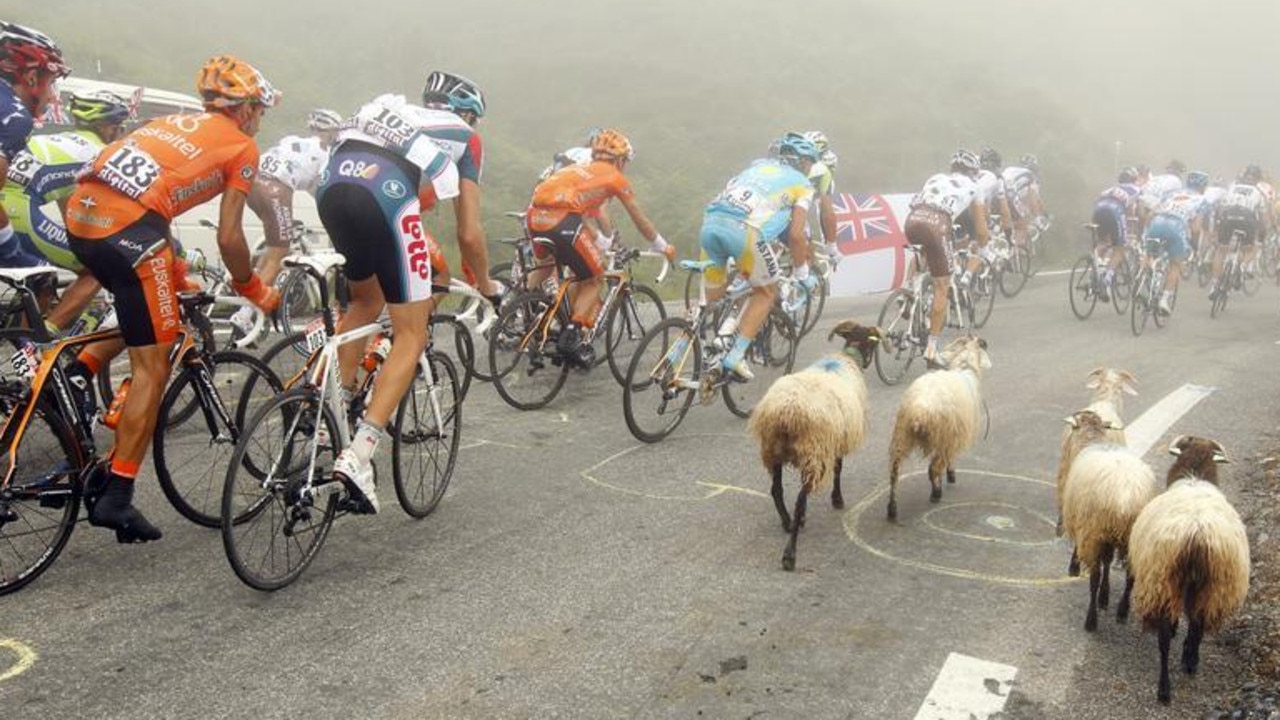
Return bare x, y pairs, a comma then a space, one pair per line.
1112, 212
992, 190
118, 227
823, 177
558, 210
44, 172
383, 174
1243, 209
768, 200
30, 63
579, 155
290, 166
1163, 186
456, 105
1023, 192
930, 223
1176, 221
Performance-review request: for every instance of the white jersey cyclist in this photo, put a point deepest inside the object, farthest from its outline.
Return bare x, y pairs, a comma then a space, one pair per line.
573, 156
1019, 180
391, 122
1159, 189
990, 188
295, 161
1244, 196
951, 193
1185, 205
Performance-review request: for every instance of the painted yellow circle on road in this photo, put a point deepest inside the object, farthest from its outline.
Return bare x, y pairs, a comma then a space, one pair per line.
23, 658
697, 466
998, 528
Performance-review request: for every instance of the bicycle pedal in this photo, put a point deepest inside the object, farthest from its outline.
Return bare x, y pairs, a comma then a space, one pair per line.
707, 388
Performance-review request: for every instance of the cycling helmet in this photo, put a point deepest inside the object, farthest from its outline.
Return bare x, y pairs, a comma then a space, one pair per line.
613, 145
99, 108
830, 159
321, 120
818, 139
454, 92
1252, 175
966, 161
794, 147
1197, 180
225, 81
22, 48
1128, 176
1176, 167
1029, 162
592, 132
990, 159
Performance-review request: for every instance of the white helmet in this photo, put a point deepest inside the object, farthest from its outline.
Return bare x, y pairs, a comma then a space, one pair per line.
321, 119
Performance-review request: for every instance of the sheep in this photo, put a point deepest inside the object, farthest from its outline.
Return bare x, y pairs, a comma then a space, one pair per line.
1107, 487
812, 419
1109, 388
939, 415
1190, 554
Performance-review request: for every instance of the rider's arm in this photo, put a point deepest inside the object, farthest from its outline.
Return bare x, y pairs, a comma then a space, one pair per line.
827, 217
796, 239
638, 217
470, 233
978, 210
231, 243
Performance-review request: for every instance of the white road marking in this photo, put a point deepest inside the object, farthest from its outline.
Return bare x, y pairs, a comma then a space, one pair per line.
1052, 272
1143, 432
967, 689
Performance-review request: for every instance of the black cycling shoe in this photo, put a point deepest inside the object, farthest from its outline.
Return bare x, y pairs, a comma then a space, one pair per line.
113, 508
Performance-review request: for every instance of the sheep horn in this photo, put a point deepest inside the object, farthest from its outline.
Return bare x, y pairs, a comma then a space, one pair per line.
1072, 421
844, 329
1174, 448
1221, 457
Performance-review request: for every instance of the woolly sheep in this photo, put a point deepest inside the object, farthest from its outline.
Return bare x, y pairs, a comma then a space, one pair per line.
811, 419
1106, 489
1109, 387
939, 416
1190, 555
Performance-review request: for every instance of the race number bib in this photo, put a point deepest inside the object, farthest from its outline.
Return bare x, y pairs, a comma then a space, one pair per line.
130, 171
741, 198
25, 362
387, 125
315, 335
24, 167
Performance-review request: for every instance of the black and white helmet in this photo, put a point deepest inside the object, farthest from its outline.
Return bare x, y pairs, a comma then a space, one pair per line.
321, 119
453, 91
965, 161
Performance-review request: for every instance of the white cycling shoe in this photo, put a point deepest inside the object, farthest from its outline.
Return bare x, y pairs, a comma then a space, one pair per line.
741, 369
358, 477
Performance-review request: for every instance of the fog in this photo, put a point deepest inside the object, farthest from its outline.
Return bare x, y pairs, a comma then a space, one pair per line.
702, 85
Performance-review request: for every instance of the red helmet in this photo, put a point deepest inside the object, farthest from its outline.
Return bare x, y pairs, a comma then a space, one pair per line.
22, 48
225, 81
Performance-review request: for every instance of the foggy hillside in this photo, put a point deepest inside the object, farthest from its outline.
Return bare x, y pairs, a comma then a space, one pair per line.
701, 87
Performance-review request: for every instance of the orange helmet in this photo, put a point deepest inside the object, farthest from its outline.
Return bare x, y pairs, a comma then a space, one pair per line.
225, 81
611, 144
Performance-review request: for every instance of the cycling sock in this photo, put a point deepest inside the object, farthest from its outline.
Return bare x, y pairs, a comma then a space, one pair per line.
124, 468
932, 347
738, 352
365, 443
91, 362
114, 509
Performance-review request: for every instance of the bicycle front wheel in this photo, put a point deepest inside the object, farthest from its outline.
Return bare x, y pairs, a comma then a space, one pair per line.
1016, 271
1158, 284
899, 345
274, 524
1143, 301
771, 355
982, 296
662, 380
448, 332
527, 371
1220, 294
39, 506
1081, 291
637, 310
204, 441
425, 440
1121, 288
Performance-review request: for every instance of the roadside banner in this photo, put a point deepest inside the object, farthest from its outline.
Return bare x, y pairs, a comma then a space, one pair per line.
869, 235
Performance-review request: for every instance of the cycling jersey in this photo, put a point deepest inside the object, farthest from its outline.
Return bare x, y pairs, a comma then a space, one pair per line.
167, 166
1159, 188
1018, 180
1244, 197
295, 161
951, 193
561, 201
1112, 209
990, 188
16, 122
45, 171
763, 195
1185, 205
457, 139
822, 178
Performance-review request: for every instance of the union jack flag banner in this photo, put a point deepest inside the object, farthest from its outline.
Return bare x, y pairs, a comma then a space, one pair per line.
135, 101
869, 233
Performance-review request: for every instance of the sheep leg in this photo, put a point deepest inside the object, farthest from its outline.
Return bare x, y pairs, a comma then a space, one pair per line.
1165, 634
951, 476
936, 469
1095, 579
1191, 646
789, 555
893, 488
778, 501
1073, 567
837, 497
1122, 609
1104, 591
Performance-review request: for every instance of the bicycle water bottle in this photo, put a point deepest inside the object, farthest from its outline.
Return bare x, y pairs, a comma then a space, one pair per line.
112, 417
375, 352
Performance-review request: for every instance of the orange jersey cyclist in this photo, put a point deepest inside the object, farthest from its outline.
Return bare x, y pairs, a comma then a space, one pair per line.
558, 211
768, 200
384, 172
118, 227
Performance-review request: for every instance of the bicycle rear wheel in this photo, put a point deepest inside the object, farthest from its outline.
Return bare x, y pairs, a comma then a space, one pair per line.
982, 295
1121, 289
636, 311
662, 380
40, 505
1158, 284
1081, 291
273, 526
898, 346
203, 442
1221, 291
1250, 283
1016, 272
772, 354
424, 449
527, 371
1142, 305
